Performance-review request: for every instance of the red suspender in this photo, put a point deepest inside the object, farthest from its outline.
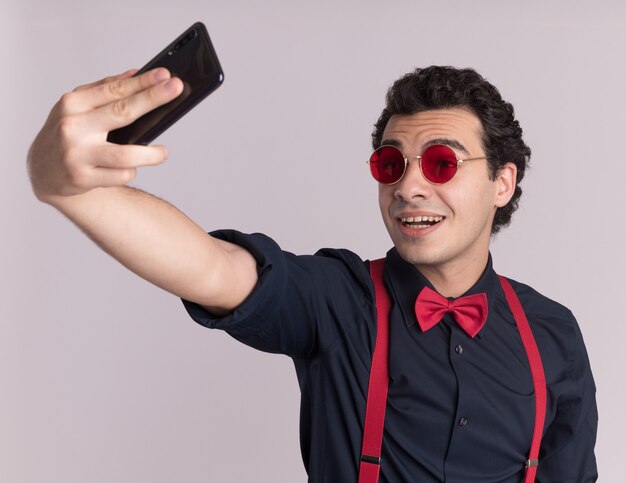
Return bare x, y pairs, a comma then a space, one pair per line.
379, 380
539, 378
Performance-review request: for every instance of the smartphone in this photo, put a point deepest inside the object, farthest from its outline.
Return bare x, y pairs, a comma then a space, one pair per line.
191, 58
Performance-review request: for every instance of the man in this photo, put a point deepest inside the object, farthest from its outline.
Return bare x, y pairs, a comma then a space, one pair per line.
461, 398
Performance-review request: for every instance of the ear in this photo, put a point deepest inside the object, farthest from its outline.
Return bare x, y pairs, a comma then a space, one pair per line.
505, 184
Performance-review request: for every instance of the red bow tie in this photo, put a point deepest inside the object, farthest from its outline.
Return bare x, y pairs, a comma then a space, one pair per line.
470, 312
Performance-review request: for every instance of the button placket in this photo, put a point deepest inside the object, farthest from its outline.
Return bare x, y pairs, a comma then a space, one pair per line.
457, 354
458, 344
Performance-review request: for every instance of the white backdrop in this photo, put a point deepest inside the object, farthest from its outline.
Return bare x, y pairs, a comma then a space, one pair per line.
104, 378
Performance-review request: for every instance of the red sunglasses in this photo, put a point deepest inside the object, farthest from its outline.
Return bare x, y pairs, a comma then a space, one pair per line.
438, 164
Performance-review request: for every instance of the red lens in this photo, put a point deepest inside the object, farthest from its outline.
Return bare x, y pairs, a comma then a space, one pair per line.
439, 164
387, 165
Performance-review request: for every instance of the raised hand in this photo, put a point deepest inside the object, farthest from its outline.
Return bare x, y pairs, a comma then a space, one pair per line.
71, 155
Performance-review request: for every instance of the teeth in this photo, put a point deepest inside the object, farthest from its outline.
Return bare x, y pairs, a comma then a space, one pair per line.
419, 219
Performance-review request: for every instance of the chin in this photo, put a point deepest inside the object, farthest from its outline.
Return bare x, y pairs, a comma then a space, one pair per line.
420, 255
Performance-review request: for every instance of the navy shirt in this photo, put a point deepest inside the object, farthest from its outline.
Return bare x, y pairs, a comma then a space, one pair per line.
459, 410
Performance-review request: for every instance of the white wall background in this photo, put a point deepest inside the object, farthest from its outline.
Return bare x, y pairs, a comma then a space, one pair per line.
104, 378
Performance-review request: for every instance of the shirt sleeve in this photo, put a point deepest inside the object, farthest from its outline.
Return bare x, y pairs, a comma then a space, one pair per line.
567, 449
301, 304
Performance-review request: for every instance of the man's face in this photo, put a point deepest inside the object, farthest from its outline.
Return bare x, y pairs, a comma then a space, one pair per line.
465, 205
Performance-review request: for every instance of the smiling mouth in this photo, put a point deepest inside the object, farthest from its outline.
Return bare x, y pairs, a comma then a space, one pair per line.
421, 222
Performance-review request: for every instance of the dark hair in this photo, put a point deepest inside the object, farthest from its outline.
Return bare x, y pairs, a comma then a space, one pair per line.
439, 87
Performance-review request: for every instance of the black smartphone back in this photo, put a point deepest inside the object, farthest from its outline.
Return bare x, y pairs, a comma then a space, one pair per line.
191, 58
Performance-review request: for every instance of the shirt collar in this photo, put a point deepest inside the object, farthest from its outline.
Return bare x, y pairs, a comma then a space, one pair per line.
406, 282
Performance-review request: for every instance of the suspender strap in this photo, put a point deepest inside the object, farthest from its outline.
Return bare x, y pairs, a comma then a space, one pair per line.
539, 378
376, 404
379, 382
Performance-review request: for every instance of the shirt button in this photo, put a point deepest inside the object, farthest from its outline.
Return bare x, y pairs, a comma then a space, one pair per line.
459, 349
462, 422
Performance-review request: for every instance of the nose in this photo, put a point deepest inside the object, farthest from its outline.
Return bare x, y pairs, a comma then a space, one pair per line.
413, 185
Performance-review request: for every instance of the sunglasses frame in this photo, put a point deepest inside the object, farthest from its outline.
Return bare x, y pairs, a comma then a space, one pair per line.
419, 158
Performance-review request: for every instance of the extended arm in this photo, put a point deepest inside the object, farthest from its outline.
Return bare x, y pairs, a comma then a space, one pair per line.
74, 169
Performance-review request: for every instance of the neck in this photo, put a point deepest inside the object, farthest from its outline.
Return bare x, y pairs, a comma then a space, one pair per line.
455, 278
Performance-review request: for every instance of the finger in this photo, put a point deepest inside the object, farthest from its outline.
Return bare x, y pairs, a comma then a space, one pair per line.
107, 177
124, 111
111, 78
112, 164
116, 156
121, 88
105, 91
78, 100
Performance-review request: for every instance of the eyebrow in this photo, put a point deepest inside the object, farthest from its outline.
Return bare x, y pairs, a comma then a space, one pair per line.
391, 142
453, 143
